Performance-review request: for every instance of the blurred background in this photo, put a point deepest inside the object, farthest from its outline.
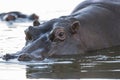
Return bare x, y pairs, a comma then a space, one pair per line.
46, 9
12, 36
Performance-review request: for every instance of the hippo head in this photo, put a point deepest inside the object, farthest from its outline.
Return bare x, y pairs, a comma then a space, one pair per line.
10, 17
33, 17
55, 37
37, 42
65, 37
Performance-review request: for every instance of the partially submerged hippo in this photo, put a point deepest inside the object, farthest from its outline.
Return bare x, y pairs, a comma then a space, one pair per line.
12, 16
18, 16
93, 24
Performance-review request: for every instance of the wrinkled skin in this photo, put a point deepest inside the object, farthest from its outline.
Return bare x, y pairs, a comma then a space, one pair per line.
93, 24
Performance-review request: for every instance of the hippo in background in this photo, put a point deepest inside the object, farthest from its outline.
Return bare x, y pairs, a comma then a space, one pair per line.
92, 25
33, 17
16, 16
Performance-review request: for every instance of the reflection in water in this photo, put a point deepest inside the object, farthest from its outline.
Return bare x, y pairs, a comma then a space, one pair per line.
95, 66
98, 64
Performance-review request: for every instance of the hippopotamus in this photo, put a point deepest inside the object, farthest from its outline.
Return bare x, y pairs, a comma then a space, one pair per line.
33, 17
18, 16
92, 25
12, 16
36, 22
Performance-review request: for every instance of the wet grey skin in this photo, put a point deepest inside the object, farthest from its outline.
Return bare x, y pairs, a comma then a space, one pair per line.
37, 42
92, 25
40, 45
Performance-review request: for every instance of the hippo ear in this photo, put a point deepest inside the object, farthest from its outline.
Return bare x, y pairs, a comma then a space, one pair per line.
74, 27
36, 23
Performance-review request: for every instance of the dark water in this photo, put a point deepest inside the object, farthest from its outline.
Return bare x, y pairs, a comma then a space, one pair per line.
101, 64
92, 65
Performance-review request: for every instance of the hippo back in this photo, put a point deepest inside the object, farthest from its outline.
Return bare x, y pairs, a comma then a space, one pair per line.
100, 23
105, 3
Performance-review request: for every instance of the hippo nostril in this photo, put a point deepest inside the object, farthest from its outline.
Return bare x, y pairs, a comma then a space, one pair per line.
8, 56
24, 57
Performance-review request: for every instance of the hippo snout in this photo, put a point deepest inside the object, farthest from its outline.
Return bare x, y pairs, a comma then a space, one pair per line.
29, 57
25, 57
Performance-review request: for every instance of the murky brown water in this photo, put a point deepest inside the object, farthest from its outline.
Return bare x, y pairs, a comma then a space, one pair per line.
103, 64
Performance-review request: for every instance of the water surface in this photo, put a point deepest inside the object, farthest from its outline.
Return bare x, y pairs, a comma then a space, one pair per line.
101, 64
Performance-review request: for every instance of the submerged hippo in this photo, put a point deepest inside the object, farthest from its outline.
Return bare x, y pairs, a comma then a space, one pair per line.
12, 16
93, 25
17, 16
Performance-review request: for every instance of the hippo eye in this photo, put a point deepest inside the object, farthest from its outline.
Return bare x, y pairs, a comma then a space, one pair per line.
60, 34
